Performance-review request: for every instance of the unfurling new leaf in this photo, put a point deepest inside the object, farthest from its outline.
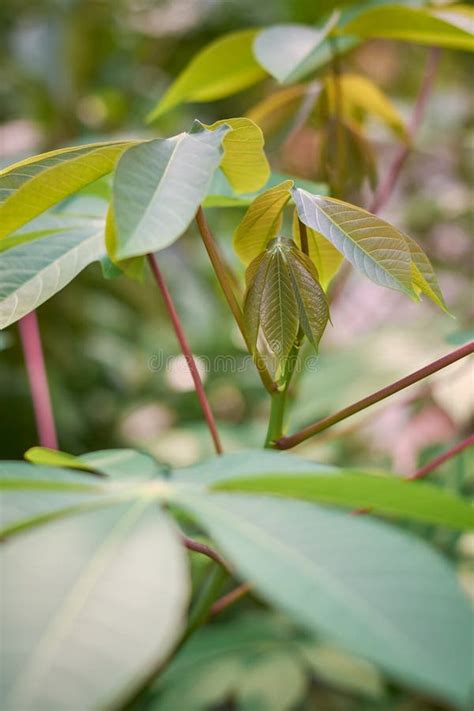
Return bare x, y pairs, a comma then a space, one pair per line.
283, 295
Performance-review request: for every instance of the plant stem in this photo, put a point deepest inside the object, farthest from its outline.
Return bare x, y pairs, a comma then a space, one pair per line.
203, 607
35, 366
198, 547
443, 457
303, 237
386, 187
178, 329
325, 423
225, 282
277, 414
231, 597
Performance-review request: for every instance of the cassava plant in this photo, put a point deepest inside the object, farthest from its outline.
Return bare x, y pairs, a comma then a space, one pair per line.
101, 608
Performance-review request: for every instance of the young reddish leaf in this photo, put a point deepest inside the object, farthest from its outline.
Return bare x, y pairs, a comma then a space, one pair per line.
279, 308
312, 303
283, 293
255, 277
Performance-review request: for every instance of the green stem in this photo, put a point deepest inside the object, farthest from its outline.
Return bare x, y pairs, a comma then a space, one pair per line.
208, 594
277, 414
222, 274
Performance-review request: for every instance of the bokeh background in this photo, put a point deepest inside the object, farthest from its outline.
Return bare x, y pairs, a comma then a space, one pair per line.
81, 70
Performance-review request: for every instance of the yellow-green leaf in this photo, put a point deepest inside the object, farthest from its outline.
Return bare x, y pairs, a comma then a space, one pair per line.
377, 249
374, 247
272, 111
423, 275
291, 51
221, 69
244, 163
31, 186
357, 91
410, 24
326, 258
261, 222
133, 267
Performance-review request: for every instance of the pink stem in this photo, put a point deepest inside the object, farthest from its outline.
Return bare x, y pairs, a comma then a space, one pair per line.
38, 380
230, 598
443, 457
386, 187
178, 329
326, 422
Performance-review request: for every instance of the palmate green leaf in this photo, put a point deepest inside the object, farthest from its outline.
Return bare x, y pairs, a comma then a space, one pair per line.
217, 661
124, 464
247, 463
30, 187
32, 272
371, 587
261, 222
388, 495
35, 495
326, 258
158, 186
380, 251
244, 163
224, 67
289, 52
419, 25
264, 649
110, 593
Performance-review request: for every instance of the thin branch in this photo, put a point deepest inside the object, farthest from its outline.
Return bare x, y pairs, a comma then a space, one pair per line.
443, 457
230, 598
202, 548
303, 237
178, 329
325, 423
386, 187
223, 278
35, 366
